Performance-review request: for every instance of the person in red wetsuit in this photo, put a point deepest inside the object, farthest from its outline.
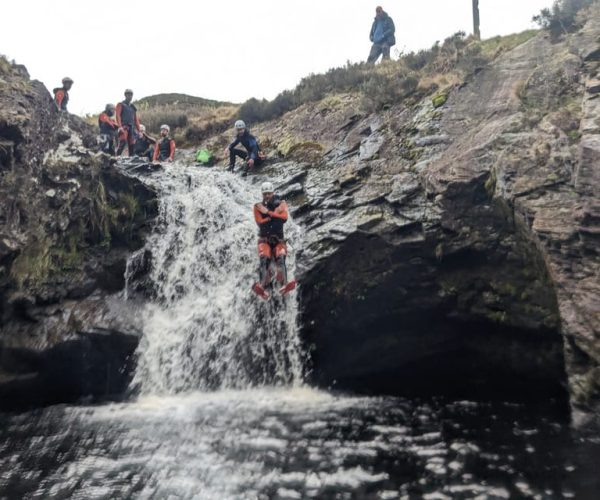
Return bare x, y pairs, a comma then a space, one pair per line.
270, 215
61, 94
165, 147
129, 123
108, 130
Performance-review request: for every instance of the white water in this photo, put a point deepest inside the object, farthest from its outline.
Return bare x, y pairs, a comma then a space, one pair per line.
205, 329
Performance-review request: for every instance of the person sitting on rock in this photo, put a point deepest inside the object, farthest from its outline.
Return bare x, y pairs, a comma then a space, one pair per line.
382, 36
61, 94
129, 123
253, 155
108, 130
165, 148
270, 215
144, 146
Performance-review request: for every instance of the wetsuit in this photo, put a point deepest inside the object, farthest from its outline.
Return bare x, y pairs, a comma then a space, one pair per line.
108, 133
129, 122
61, 98
271, 243
164, 150
250, 144
144, 146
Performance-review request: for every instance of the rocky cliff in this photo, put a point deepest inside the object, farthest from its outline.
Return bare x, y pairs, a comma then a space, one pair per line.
68, 219
454, 248
450, 245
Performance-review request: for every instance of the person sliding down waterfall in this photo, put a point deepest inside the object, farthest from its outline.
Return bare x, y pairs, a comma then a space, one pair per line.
253, 155
270, 215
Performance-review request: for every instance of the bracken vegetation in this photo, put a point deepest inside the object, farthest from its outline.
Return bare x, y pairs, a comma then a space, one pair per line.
191, 119
563, 17
413, 75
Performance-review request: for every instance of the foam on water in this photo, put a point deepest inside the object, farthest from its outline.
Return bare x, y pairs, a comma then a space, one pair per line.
279, 442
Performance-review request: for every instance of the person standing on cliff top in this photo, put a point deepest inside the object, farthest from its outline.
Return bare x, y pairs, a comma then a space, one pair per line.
129, 123
382, 36
61, 94
108, 130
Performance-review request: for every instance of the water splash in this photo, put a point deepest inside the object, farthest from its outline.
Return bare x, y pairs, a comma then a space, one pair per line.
204, 329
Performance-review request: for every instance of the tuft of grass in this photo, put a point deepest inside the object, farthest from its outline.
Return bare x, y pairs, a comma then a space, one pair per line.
493, 47
32, 266
5, 66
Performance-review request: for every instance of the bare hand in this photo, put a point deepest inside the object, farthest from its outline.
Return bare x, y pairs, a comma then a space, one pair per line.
250, 163
262, 209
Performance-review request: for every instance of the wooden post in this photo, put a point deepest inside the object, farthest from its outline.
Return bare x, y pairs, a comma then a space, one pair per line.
476, 31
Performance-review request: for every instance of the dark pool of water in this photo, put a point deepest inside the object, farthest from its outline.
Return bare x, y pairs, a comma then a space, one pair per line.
294, 443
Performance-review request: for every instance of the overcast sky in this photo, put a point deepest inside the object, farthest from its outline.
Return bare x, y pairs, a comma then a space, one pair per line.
227, 50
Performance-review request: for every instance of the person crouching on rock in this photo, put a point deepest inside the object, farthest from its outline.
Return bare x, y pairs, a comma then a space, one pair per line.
129, 123
61, 94
270, 215
165, 148
253, 155
144, 146
108, 130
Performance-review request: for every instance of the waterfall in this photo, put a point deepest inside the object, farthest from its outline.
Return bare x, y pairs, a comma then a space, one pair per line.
203, 328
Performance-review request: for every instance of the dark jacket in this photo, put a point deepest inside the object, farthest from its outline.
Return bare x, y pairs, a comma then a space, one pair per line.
388, 30
143, 144
249, 142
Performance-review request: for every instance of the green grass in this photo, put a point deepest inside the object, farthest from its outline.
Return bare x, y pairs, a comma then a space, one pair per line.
498, 44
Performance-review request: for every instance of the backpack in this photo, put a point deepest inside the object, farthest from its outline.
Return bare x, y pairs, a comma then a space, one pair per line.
205, 157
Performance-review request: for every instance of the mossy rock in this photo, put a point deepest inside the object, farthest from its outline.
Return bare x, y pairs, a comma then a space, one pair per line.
289, 148
439, 100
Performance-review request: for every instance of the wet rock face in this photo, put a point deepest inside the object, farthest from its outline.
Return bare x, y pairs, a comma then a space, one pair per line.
68, 221
454, 249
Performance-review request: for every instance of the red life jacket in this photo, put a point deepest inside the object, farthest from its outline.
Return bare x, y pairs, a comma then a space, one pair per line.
65, 100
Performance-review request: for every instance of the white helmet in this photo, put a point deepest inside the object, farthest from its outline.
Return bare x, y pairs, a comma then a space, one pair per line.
142, 128
165, 127
267, 187
240, 124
